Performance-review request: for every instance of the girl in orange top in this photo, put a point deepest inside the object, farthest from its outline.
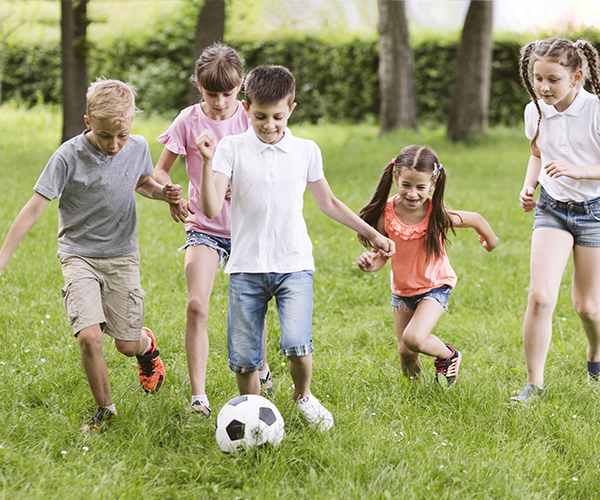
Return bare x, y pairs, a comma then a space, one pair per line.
418, 224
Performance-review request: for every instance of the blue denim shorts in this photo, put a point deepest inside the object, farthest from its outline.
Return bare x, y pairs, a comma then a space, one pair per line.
581, 219
221, 245
441, 294
249, 296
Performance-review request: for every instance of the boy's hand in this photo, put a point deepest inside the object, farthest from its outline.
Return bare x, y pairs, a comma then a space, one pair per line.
526, 199
172, 193
384, 246
181, 210
366, 260
489, 245
206, 144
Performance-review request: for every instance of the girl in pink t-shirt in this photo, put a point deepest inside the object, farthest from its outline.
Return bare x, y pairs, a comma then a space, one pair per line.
219, 77
418, 224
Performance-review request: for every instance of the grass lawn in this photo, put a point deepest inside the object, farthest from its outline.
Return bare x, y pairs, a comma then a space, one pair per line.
393, 439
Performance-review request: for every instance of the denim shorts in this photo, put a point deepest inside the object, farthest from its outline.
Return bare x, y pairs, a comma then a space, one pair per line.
221, 245
441, 294
249, 296
581, 219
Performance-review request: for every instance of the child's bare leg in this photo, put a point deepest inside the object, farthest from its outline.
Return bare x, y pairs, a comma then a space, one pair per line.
201, 263
586, 295
248, 383
550, 250
409, 360
94, 365
417, 335
301, 371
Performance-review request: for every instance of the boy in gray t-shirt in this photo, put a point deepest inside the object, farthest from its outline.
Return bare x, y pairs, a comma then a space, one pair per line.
95, 176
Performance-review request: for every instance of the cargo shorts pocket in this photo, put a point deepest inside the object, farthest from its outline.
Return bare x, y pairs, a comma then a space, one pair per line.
136, 309
71, 308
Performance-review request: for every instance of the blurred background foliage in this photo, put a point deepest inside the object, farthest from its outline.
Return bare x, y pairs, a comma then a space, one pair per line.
336, 70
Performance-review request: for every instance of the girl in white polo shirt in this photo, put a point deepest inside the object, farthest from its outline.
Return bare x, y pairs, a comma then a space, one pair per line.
563, 124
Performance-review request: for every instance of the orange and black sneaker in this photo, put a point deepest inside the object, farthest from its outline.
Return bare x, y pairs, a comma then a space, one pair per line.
152, 369
101, 418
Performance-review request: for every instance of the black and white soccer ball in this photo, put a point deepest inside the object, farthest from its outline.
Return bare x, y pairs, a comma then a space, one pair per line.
248, 421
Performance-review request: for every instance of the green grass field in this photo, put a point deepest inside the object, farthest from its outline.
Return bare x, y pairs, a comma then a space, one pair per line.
393, 439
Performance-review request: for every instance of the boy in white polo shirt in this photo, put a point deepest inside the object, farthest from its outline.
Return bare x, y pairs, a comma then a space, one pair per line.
268, 170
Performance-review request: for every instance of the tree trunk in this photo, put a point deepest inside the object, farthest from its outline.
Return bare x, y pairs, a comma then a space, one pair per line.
471, 93
396, 67
210, 28
74, 71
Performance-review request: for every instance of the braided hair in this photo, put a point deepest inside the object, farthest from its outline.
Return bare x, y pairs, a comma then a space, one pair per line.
567, 54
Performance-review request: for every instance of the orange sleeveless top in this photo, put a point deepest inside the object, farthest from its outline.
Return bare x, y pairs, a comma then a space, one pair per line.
411, 273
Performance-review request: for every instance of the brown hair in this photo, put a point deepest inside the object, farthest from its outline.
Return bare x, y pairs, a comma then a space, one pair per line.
269, 85
110, 100
420, 159
218, 69
561, 51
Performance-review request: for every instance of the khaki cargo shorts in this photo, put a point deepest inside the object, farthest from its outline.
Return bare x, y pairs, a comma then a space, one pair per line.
105, 292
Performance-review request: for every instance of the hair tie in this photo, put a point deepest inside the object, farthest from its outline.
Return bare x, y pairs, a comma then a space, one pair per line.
393, 162
579, 44
438, 166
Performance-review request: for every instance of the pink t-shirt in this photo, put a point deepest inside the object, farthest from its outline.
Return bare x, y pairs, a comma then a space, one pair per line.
411, 274
180, 139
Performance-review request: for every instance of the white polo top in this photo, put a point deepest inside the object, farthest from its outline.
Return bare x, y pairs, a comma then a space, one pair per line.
268, 231
572, 136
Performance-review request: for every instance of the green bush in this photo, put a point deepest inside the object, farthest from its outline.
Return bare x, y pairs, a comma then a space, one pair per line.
337, 79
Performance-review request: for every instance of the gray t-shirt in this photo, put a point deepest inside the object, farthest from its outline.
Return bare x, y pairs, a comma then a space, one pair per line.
96, 195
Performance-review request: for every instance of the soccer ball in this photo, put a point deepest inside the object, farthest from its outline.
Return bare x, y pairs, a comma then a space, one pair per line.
248, 421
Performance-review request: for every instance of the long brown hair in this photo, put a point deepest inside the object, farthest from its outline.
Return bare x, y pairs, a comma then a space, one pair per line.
561, 51
420, 159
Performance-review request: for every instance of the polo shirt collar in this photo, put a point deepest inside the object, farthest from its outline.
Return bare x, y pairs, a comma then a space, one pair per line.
257, 146
573, 110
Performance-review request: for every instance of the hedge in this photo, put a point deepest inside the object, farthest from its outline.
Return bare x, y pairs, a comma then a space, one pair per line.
337, 81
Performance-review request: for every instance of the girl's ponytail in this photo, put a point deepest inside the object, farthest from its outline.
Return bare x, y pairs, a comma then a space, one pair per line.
591, 54
525, 68
439, 221
372, 211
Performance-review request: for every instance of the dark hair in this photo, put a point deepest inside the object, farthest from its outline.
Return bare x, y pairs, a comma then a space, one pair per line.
218, 69
561, 51
420, 159
269, 85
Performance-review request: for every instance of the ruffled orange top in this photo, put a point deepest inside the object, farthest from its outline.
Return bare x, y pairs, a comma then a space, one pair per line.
411, 273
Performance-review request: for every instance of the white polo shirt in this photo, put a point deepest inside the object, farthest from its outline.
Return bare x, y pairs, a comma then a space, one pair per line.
268, 231
572, 136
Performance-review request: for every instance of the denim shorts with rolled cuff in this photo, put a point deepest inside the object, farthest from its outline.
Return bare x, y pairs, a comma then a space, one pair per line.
220, 244
249, 296
580, 218
441, 294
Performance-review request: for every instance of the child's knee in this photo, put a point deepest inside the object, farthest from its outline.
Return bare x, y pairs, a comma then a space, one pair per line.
90, 339
127, 347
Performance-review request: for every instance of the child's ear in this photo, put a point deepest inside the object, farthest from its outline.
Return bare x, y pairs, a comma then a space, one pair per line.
577, 77
293, 106
246, 107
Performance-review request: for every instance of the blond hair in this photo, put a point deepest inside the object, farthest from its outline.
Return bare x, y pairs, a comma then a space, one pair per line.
110, 100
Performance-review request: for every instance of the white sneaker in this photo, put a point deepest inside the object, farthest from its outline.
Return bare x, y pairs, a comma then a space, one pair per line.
315, 413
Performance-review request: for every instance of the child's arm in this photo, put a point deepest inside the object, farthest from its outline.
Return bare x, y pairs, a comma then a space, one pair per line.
161, 174
338, 211
558, 169
487, 237
534, 167
171, 193
373, 261
213, 187
26, 219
